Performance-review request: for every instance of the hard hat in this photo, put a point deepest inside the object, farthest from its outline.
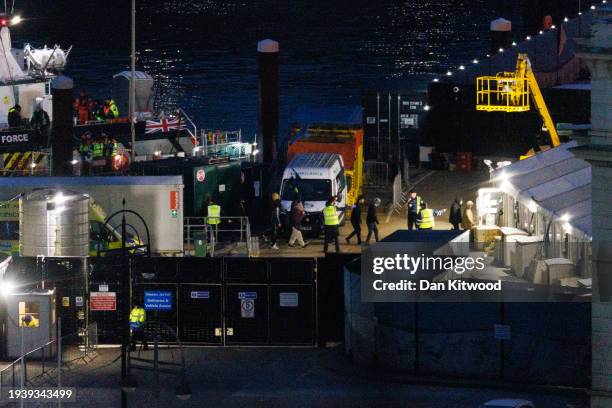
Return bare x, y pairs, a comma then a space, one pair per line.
377, 201
275, 196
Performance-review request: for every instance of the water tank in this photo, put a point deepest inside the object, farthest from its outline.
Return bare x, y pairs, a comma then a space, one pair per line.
54, 223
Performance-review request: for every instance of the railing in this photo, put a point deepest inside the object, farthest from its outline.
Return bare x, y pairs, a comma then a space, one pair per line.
223, 144
43, 365
202, 238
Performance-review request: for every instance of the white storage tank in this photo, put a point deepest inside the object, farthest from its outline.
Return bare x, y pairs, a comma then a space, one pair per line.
54, 223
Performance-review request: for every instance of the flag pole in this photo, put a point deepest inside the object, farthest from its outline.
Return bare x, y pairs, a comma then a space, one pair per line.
133, 84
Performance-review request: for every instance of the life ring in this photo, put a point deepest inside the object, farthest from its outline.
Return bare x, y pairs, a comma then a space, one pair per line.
120, 162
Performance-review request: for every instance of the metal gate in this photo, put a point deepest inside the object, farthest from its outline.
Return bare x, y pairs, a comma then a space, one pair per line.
225, 301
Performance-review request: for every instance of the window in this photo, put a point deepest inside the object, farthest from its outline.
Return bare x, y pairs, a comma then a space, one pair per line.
308, 189
29, 314
340, 182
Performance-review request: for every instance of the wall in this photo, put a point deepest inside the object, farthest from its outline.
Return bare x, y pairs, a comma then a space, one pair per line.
550, 343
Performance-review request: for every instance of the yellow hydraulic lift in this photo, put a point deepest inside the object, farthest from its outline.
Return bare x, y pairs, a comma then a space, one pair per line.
509, 92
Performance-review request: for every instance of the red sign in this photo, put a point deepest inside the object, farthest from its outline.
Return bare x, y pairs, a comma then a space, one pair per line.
102, 301
174, 200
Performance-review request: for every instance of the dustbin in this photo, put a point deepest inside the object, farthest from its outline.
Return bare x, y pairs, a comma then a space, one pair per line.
199, 243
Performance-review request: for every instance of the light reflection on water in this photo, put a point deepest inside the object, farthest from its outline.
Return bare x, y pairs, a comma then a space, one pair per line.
203, 51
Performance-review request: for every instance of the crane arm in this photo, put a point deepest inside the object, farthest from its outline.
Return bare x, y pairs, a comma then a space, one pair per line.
540, 104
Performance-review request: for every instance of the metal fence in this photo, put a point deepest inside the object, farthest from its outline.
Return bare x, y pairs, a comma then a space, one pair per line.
43, 365
375, 173
231, 236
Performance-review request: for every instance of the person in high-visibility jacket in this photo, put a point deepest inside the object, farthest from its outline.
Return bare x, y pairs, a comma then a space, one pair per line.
213, 218
331, 224
138, 317
97, 148
425, 219
111, 110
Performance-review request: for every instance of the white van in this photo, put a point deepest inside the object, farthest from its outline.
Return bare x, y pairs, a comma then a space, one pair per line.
315, 177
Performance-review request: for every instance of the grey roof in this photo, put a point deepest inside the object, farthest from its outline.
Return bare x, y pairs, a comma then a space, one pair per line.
311, 160
558, 181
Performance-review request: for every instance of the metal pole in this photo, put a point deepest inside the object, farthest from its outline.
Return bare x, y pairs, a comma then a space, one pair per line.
59, 357
22, 373
133, 84
125, 307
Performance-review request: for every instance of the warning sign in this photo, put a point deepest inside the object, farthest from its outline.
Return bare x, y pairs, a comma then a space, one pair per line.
79, 301
102, 301
66, 301
247, 308
174, 200
201, 175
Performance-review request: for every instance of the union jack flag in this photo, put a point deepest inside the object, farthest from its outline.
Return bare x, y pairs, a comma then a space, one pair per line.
164, 125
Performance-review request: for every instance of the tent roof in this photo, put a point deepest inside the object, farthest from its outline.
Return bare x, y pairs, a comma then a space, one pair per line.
556, 180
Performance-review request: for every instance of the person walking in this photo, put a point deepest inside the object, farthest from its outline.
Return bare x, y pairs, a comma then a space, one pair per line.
467, 221
372, 220
297, 215
138, 317
275, 220
414, 206
331, 223
455, 214
356, 221
425, 219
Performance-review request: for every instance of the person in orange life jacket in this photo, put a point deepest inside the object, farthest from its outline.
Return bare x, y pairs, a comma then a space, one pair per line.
82, 107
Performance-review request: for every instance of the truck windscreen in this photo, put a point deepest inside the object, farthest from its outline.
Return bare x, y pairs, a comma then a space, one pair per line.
308, 189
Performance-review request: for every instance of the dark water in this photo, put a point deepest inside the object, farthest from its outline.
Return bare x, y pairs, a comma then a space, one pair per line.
203, 52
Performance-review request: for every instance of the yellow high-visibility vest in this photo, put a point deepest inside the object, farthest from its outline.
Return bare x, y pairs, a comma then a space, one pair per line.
138, 315
330, 216
427, 219
214, 214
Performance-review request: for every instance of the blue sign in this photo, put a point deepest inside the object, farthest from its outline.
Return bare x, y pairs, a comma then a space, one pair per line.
157, 300
247, 295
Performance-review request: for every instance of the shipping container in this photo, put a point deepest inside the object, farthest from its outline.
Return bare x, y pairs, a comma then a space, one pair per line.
202, 178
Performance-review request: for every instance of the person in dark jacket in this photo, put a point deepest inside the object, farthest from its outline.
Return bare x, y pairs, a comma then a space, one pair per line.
275, 221
455, 214
372, 220
14, 116
296, 216
356, 221
414, 206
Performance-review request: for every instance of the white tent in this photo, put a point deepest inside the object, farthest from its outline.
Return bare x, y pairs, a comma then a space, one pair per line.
555, 183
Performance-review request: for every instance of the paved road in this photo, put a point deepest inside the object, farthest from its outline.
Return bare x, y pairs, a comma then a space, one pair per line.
275, 377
